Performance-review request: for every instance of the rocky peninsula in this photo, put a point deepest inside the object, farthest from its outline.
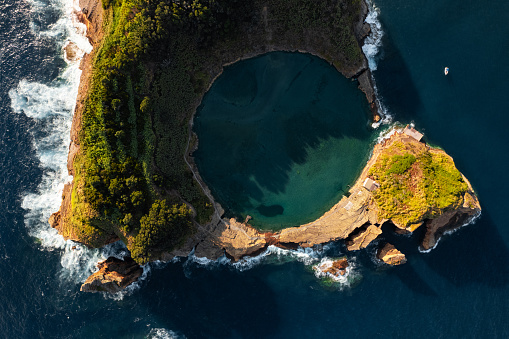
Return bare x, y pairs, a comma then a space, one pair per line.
135, 183
358, 217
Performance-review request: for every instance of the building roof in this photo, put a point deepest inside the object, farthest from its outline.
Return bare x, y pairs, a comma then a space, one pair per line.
370, 184
410, 131
348, 206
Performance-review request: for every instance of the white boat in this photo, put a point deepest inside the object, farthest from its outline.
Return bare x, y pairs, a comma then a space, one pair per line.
446, 70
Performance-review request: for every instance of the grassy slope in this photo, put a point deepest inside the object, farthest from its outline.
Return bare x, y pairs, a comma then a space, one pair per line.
416, 183
150, 72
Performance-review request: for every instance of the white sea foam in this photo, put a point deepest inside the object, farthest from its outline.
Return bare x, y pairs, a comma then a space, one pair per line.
348, 279
162, 333
371, 49
373, 41
387, 133
51, 106
272, 255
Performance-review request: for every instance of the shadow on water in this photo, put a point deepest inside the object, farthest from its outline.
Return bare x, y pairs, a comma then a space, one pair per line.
264, 115
409, 245
474, 254
395, 85
217, 303
477, 248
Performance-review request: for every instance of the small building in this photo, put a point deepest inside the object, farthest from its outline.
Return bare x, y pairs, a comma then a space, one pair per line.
348, 206
411, 132
370, 184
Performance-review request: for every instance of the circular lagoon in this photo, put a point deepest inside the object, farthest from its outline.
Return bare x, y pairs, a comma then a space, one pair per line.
281, 137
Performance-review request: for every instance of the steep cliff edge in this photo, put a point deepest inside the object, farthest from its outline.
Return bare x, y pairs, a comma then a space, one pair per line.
92, 16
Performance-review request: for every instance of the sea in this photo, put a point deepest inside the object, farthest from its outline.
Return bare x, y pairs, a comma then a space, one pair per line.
460, 289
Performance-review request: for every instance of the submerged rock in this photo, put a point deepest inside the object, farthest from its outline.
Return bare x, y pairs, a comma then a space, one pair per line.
113, 276
390, 255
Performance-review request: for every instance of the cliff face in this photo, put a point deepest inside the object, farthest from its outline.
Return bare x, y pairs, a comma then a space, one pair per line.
92, 16
451, 220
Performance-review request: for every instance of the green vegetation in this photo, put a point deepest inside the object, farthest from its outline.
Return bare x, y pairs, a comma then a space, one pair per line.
155, 62
416, 183
332, 18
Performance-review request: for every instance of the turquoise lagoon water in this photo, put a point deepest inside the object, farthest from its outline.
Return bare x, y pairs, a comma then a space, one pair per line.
281, 138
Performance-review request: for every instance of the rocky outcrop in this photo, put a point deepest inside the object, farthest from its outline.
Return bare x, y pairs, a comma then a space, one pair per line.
362, 28
354, 218
338, 223
334, 269
390, 255
238, 239
71, 52
113, 276
363, 238
366, 85
451, 220
338, 267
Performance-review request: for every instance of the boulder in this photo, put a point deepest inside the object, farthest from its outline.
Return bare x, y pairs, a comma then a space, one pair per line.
390, 255
363, 238
113, 276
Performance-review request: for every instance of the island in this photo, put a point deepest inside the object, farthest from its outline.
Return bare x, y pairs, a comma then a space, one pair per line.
134, 177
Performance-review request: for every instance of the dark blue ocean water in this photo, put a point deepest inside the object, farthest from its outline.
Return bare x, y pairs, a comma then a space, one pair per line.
459, 290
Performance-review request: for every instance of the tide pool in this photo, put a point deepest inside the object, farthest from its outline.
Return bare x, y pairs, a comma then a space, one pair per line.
281, 137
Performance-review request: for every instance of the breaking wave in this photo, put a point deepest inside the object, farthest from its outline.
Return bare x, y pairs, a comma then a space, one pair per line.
373, 41
272, 255
349, 278
371, 49
162, 333
51, 106
277, 256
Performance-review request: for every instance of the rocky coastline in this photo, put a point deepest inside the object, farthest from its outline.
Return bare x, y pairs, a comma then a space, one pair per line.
354, 219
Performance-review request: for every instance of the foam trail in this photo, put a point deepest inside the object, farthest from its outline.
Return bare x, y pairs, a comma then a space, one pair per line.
371, 49
373, 41
162, 333
272, 255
